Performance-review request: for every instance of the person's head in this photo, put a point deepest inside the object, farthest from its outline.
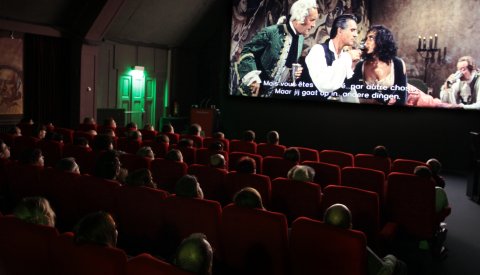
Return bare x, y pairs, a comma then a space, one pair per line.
54, 136
36, 210
68, 165
146, 152
4, 150
96, 228
466, 65
380, 151
140, 177
110, 123
380, 44
434, 165
292, 154
344, 29
195, 129
109, 132
102, 142
216, 146
248, 197
273, 137
188, 186
131, 126
301, 173
422, 171
134, 135
195, 254
174, 155
240, 6
185, 143
81, 141
218, 161
246, 165
89, 121
16, 131
162, 138
249, 136
92, 132
148, 127
303, 15
108, 165
338, 215
39, 131
218, 135
33, 156
167, 128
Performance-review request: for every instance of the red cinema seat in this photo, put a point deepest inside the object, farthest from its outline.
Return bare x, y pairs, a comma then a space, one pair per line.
138, 214
23, 181
254, 241
275, 167
51, 150
197, 140
127, 145
243, 146
25, 247
208, 141
235, 181
203, 155
184, 216
166, 173
80, 259
365, 179
133, 162
158, 148
87, 127
273, 150
308, 154
325, 173
406, 165
212, 181
147, 264
22, 143
173, 137
83, 156
340, 158
296, 198
148, 134
373, 162
66, 133
364, 206
189, 153
318, 248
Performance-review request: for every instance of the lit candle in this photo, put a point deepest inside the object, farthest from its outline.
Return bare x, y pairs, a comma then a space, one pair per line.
424, 43
436, 39
419, 43
430, 43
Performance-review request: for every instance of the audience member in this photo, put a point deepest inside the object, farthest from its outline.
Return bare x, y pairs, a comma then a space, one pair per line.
81, 141
108, 165
292, 154
249, 135
441, 200
218, 135
162, 138
109, 123
33, 156
4, 150
380, 151
195, 129
340, 216
248, 197
36, 210
218, 161
131, 126
273, 138
174, 155
194, 254
435, 167
140, 177
146, 152
68, 165
168, 128
216, 146
185, 143
97, 228
246, 165
89, 121
102, 143
301, 173
15, 131
188, 186
148, 127
39, 131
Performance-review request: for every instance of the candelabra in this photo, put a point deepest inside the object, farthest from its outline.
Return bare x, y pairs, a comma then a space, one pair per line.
428, 53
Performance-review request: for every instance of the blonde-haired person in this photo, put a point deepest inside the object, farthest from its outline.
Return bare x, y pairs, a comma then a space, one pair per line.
36, 210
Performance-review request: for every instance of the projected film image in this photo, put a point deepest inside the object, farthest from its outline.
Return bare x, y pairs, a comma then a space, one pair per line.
331, 51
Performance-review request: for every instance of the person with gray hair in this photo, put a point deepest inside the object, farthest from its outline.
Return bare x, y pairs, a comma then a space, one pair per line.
328, 65
340, 216
218, 161
272, 53
301, 173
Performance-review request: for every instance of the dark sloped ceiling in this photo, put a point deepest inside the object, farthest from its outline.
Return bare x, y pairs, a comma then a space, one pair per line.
165, 23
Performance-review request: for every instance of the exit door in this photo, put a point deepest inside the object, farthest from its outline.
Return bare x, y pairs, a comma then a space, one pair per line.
137, 97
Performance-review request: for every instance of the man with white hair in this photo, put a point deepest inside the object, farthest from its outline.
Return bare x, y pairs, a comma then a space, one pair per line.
267, 59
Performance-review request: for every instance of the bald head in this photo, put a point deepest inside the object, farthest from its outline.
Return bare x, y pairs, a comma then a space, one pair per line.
195, 255
338, 215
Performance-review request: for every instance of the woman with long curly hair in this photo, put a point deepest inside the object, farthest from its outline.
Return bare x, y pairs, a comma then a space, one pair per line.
380, 77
